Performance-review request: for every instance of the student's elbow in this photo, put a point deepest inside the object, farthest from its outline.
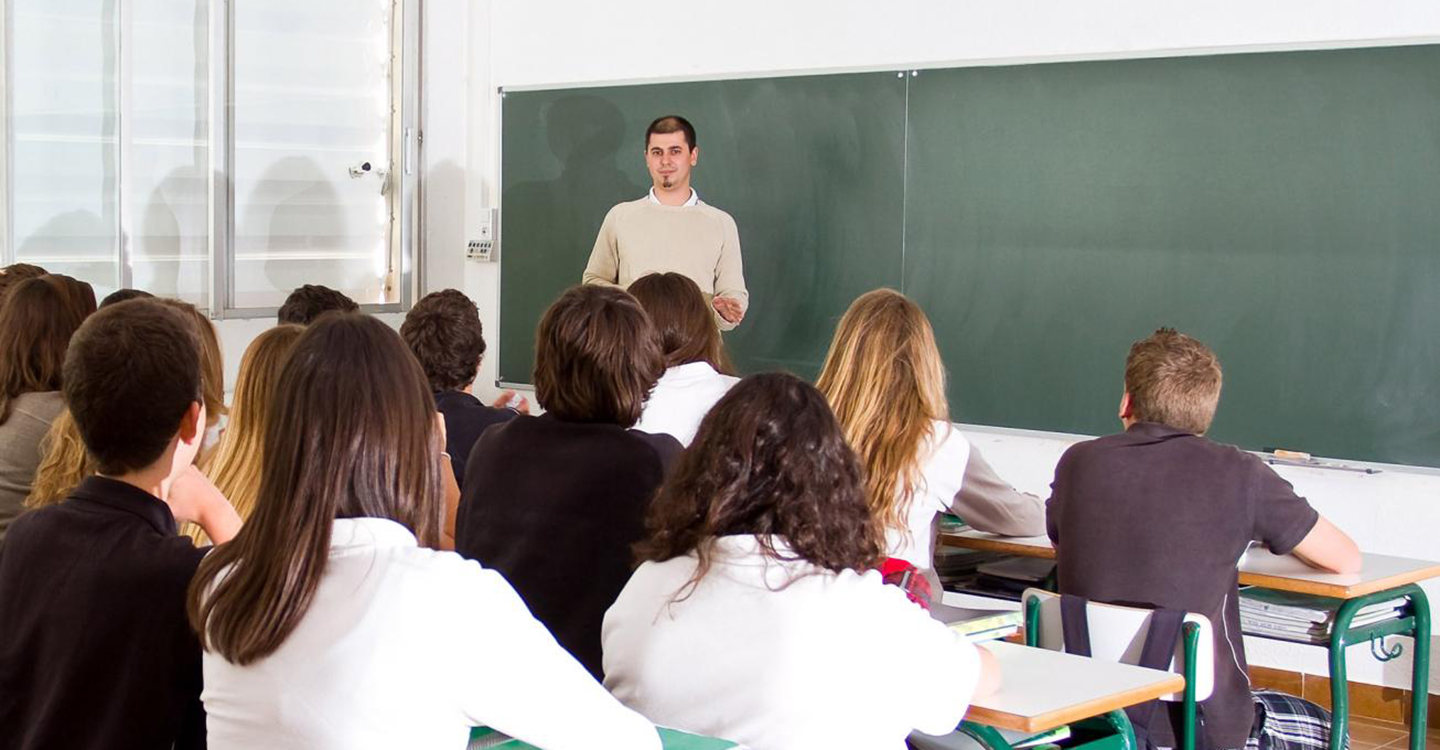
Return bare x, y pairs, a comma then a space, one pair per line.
1328, 548
1348, 560
989, 682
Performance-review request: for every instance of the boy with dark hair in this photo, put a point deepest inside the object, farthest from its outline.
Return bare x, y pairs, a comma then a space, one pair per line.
310, 301
1159, 516
443, 330
95, 648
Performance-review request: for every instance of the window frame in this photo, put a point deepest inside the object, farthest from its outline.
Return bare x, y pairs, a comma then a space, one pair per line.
404, 173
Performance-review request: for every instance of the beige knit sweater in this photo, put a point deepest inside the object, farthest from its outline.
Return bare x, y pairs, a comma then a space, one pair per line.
640, 237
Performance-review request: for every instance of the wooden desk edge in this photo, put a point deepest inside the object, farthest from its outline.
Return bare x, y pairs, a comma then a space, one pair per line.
997, 545
1077, 712
1336, 590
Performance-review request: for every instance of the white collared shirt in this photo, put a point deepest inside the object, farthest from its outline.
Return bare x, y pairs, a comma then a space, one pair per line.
682, 397
783, 654
694, 198
409, 647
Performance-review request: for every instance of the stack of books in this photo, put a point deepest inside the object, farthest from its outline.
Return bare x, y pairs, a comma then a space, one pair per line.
1302, 618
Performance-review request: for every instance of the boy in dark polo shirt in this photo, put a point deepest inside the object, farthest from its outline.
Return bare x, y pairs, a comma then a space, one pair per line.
1158, 516
95, 648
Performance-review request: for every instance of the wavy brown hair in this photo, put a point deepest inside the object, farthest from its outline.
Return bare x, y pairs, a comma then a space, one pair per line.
682, 319
443, 330
769, 459
66, 463
596, 357
350, 434
212, 365
884, 379
234, 465
38, 317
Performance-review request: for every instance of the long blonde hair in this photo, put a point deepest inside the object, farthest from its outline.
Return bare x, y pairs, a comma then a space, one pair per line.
886, 384
64, 465
234, 464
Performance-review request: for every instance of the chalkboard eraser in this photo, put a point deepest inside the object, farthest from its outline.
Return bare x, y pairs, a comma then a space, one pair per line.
1292, 455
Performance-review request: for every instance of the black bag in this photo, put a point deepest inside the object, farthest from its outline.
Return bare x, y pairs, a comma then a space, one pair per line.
1160, 640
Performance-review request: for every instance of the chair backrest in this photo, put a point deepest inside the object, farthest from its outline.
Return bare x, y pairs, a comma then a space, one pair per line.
1118, 634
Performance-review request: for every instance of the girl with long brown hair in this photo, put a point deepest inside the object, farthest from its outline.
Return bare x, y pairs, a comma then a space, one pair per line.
37, 319
885, 381
697, 370
328, 599
234, 464
755, 615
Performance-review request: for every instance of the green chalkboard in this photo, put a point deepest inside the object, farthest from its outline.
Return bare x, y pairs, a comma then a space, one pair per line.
1283, 207
811, 168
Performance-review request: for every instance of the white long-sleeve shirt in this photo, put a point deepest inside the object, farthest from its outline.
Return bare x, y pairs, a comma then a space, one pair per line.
784, 655
410, 647
682, 398
956, 479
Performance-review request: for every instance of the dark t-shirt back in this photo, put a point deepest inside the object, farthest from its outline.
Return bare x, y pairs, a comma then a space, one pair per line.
465, 418
95, 649
1157, 517
555, 506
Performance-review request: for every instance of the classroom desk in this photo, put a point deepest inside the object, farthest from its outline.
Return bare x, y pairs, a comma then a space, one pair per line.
1381, 578
1044, 689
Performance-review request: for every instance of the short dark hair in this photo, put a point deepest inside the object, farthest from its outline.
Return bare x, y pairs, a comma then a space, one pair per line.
443, 330
596, 356
683, 320
121, 295
769, 459
132, 372
1173, 380
672, 124
310, 301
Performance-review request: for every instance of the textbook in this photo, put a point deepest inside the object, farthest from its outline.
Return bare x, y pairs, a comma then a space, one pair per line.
1303, 618
989, 627
485, 738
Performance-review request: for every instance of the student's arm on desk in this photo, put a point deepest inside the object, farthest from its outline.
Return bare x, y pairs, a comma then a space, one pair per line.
990, 677
1328, 548
993, 505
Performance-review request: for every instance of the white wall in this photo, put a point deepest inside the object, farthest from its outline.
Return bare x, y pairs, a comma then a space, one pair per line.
558, 44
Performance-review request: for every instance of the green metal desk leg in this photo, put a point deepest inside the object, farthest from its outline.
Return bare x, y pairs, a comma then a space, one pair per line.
1420, 685
987, 736
1120, 722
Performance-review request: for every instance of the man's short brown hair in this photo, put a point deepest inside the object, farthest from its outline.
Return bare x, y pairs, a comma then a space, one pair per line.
1174, 380
596, 357
671, 124
131, 374
443, 330
310, 301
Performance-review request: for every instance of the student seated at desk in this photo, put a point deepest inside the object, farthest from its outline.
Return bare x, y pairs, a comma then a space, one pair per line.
697, 372
554, 502
327, 623
95, 650
1159, 516
885, 381
35, 327
756, 615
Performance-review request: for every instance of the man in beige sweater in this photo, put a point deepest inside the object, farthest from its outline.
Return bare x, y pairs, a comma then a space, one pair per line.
672, 230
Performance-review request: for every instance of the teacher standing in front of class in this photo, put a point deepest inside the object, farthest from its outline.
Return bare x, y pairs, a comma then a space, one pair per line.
671, 229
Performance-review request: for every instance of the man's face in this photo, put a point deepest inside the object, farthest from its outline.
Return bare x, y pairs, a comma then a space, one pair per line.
669, 159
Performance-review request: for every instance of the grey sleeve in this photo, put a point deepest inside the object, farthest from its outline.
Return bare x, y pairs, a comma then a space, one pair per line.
989, 503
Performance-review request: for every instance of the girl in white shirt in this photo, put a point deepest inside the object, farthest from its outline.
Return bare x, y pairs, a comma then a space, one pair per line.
885, 381
755, 615
331, 622
697, 371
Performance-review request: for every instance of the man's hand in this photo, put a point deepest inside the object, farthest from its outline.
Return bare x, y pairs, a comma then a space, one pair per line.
522, 405
729, 309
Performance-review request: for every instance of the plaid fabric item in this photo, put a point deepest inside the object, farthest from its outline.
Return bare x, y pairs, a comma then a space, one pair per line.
898, 572
1284, 722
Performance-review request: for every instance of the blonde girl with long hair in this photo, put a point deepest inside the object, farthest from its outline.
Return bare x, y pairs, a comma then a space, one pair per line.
234, 464
886, 384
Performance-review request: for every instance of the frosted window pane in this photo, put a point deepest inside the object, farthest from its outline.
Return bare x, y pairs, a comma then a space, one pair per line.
312, 99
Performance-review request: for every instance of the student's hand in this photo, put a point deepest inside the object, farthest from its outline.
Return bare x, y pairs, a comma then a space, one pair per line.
729, 309
193, 498
505, 399
989, 674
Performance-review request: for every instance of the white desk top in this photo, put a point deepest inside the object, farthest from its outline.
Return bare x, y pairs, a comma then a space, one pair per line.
1259, 567
1043, 689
